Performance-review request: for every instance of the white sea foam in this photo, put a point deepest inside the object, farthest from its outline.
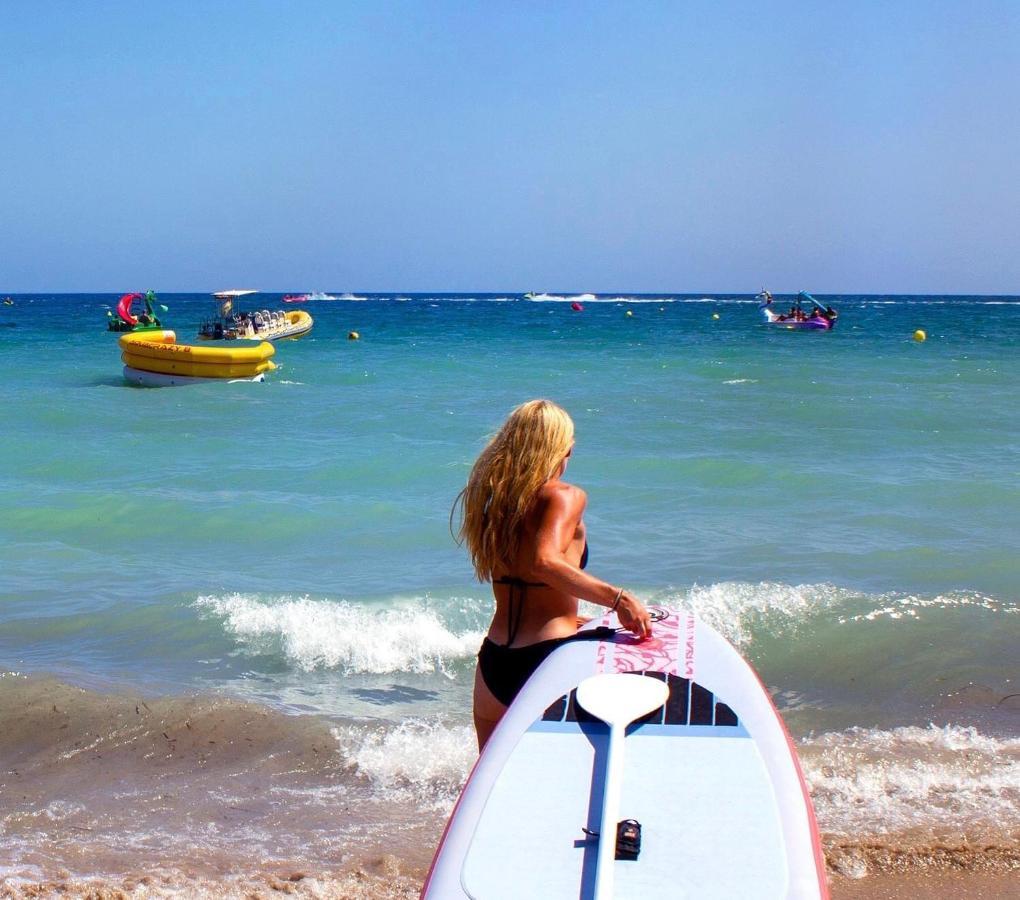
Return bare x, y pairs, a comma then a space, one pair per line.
736, 609
626, 298
875, 782
741, 381
314, 634
421, 635
910, 606
418, 761
740, 610
563, 298
862, 781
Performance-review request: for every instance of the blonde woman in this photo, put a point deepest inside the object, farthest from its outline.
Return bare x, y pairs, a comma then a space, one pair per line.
523, 526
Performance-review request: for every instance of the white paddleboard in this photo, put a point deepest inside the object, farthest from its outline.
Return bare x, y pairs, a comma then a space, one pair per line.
711, 775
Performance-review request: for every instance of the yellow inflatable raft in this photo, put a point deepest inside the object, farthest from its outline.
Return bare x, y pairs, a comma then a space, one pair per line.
159, 352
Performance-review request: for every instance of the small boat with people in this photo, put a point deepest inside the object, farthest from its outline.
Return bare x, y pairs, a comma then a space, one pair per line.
231, 323
806, 313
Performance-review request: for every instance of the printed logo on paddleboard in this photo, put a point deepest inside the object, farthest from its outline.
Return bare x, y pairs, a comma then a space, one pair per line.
670, 649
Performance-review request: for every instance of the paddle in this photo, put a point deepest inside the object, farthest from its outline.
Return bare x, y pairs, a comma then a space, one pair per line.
616, 699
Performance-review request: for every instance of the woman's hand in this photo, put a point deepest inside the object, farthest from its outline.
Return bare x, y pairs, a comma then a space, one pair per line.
633, 616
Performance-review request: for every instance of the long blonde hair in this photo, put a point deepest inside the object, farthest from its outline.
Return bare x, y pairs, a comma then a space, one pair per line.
523, 455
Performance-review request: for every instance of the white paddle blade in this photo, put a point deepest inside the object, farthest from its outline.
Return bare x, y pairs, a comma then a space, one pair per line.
620, 698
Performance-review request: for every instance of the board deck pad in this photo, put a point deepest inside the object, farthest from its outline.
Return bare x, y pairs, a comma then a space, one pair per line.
710, 775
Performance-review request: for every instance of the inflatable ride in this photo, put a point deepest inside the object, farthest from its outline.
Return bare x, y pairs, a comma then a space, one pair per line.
815, 318
125, 320
155, 359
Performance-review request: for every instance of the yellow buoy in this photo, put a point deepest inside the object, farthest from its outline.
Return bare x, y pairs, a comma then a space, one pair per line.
629, 313
919, 335
715, 315
353, 335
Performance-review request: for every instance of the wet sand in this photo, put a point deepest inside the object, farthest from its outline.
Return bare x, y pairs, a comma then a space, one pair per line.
384, 880
947, 886
211, 797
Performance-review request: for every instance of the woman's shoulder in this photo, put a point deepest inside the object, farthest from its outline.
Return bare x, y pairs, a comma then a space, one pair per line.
563, 495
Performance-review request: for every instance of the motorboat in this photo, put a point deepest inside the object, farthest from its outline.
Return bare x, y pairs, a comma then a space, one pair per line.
231, 323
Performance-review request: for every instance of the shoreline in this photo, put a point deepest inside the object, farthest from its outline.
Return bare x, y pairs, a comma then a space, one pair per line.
112, 795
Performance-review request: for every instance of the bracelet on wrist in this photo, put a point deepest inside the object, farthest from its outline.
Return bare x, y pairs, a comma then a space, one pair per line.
616, 602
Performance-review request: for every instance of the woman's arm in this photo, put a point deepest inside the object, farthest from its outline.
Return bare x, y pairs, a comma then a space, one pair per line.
560, 511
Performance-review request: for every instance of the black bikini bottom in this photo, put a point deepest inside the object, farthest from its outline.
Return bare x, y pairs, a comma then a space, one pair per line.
506, 669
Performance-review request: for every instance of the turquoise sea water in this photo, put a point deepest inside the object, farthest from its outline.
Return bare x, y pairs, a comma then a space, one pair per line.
843, 506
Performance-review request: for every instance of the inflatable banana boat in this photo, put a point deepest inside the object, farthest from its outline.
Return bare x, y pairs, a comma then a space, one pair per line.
155, 359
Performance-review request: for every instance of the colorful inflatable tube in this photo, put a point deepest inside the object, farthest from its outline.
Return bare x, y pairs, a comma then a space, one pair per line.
158, 353
124, 308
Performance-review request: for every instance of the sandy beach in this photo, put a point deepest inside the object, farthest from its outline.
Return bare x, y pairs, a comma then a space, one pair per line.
385, 879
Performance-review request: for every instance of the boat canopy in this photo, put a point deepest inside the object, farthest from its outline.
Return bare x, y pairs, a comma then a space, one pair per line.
230, 295
804, 296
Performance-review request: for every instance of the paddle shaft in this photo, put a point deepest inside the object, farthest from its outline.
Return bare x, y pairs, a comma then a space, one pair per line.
617, 699
605, 866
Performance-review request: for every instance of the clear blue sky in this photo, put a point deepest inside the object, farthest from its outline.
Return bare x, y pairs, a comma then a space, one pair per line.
639, 146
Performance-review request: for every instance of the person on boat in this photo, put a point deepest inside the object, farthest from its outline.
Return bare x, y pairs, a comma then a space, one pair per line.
524, 529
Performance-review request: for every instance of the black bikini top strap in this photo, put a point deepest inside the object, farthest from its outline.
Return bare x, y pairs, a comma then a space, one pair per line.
515, 603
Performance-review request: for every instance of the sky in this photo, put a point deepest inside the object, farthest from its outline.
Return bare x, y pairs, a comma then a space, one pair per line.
674, 147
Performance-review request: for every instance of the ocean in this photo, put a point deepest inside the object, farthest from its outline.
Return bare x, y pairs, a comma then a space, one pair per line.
237, 635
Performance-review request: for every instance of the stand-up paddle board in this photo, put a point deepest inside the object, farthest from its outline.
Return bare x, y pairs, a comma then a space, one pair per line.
597, 785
